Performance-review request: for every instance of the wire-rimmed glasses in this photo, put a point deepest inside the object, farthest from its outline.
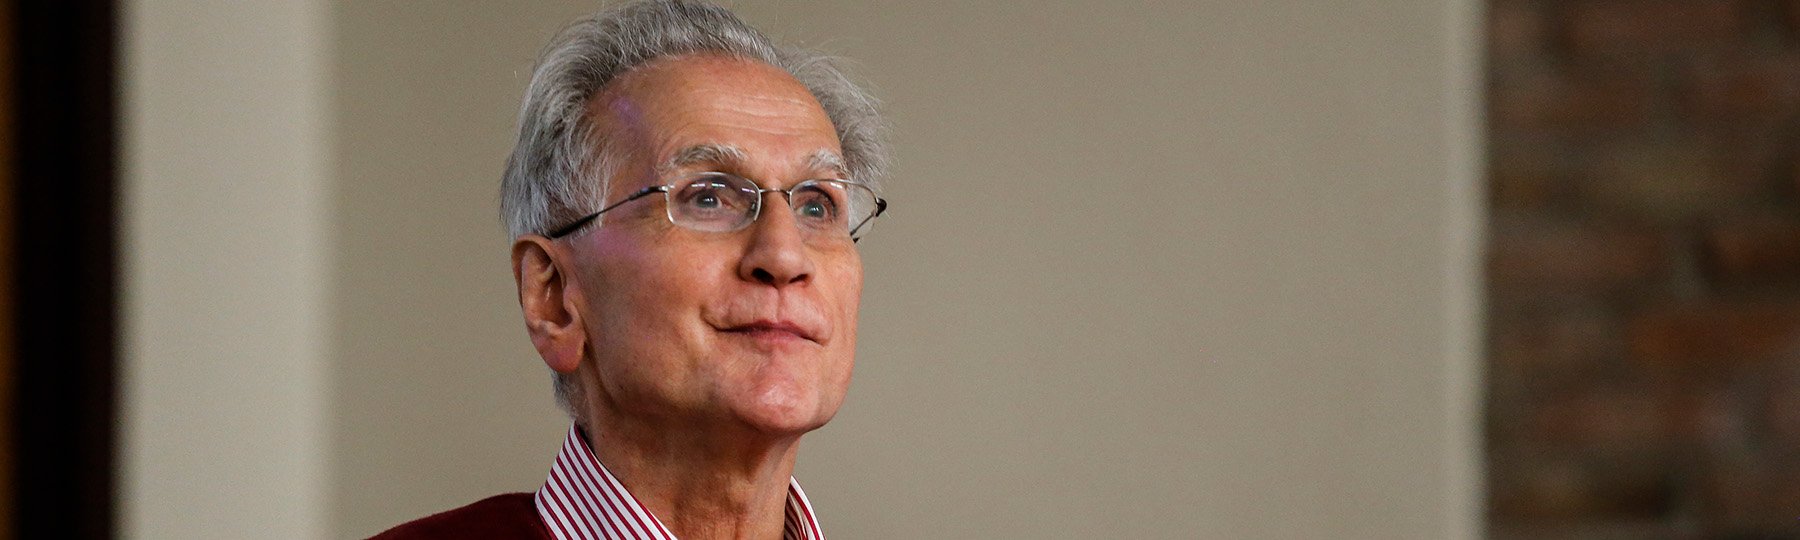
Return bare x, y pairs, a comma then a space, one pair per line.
723, 202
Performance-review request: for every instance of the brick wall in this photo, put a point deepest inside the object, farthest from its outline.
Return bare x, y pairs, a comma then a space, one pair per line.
1644, 269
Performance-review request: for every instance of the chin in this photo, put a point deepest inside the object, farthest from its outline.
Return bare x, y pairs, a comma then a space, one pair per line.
787, 413
781, 400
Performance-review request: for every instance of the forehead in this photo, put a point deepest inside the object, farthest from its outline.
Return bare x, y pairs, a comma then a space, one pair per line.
671, 105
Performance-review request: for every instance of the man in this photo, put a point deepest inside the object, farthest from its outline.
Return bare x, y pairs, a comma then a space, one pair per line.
684, 201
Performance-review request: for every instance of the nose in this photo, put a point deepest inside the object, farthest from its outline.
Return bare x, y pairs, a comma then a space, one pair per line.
777, 254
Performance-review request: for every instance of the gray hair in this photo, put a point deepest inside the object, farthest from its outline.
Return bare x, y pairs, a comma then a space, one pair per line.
560, 168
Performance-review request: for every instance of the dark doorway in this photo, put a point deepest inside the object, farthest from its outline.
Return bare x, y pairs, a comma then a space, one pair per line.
62, 224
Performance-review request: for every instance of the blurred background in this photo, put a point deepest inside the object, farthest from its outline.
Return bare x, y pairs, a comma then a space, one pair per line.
1643, 277
1205, 269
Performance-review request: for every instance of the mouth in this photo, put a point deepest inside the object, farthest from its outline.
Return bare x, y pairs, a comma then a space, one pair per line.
772, 331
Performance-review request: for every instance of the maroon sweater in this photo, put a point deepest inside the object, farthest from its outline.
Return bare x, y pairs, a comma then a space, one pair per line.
513, 515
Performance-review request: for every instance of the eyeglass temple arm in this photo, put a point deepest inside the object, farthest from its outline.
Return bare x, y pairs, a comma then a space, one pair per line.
579, 223
880, 206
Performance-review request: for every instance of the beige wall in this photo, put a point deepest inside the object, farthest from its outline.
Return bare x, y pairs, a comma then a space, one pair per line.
225, 262
1200, 269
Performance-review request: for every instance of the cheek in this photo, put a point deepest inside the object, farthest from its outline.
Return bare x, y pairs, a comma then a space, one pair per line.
851, 295
846, 294
650, 337
647, 303
651, 276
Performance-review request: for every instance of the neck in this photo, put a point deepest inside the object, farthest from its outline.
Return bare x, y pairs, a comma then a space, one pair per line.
701, 483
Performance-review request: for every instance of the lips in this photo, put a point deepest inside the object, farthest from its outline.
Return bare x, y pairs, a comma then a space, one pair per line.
774, 329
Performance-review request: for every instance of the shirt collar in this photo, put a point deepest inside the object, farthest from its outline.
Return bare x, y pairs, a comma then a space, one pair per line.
582, 501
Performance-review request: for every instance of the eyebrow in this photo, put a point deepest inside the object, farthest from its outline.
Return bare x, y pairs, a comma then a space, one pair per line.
826, 160
724, 155
731, 157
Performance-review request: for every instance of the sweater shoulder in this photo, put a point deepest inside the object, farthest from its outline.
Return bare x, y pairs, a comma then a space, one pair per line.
512, 515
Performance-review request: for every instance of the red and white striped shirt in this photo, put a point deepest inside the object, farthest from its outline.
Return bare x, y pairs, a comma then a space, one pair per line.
582, 501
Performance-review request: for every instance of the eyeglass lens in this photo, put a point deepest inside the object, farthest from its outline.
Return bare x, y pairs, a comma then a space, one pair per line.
721, 202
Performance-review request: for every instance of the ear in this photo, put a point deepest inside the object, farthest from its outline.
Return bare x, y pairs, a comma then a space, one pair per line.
548, 299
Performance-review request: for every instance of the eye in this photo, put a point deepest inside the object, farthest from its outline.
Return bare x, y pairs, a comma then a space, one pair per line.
703, 194
815, 204
712, 198
707, 200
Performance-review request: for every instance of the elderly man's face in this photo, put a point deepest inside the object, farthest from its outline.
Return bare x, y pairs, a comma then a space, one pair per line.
753, 328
